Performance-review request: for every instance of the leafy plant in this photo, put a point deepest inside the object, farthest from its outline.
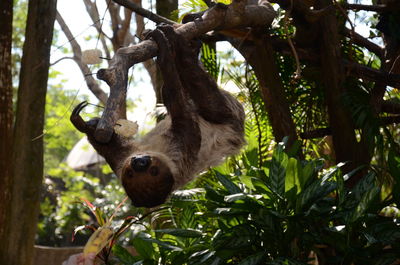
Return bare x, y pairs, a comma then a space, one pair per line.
286, 212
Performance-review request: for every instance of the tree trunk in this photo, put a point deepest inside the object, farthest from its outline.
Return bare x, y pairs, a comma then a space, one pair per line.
347, 149
261, 57
6, 120
28, 140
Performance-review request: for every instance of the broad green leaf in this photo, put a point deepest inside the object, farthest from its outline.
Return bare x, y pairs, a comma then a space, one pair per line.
253, 259
190, 233
228, 184
316, 191
164, 245
246, 180
143, 247
235, 197
292, 175
277, 171
364, 203
123, 255
213, 195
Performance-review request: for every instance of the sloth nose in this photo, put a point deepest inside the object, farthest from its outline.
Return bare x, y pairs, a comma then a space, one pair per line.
140, 163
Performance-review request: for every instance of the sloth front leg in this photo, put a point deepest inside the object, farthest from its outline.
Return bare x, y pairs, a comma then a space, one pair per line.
184, 126
115, 152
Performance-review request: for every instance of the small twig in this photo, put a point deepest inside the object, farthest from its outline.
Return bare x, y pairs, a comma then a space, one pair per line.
297, 74
394, 64
59, 60
144, 12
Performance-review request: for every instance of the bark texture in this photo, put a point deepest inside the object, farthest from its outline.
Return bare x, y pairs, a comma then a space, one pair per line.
28, 143
6, 121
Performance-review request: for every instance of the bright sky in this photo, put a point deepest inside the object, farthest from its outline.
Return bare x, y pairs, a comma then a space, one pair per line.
142, 93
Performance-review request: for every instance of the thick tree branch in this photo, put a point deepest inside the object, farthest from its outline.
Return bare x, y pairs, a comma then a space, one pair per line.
322, 132
317, 133
390, 106
373, 8
373, 75
76, 49
216, 18
361, 41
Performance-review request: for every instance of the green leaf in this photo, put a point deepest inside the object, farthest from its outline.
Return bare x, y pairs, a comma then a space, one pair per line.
237, 237
253, 259
277, 171
143, 247
246, 180
292, 175
367, 183
230, 211
365, 202
190, 233
213, 195
123, 255
228, 184
163, 244
235, 197
316, 190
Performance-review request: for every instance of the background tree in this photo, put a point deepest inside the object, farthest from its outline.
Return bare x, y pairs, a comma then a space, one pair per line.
6, 118
27, 155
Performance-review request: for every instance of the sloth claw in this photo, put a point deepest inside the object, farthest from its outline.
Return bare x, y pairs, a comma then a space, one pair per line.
76, 119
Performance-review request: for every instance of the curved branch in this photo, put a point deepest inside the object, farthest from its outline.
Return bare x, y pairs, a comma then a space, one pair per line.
218, 17
361, 41
59, 60
76, 49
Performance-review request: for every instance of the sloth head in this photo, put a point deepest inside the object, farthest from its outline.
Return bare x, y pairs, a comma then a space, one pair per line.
147, 179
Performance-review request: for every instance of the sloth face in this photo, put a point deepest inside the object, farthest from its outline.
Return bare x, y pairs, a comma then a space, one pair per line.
147, 180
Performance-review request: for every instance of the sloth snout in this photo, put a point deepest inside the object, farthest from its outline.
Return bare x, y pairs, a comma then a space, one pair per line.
140, 163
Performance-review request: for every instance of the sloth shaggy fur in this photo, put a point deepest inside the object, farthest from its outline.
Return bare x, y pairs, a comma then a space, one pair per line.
204, 125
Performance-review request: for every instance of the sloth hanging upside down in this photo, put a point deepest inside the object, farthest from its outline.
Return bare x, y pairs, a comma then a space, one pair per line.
203, 126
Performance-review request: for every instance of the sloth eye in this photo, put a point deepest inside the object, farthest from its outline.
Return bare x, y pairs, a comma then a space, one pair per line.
154, 171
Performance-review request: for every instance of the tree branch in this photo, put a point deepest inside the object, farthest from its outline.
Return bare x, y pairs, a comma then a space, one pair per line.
317, 133
59, 60
93, 12
322, 132
391, 106
373, 75
373, 8
231, 16
361, 41
76, 49
143, 12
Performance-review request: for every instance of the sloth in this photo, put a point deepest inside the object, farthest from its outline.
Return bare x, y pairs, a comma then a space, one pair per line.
203, 126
